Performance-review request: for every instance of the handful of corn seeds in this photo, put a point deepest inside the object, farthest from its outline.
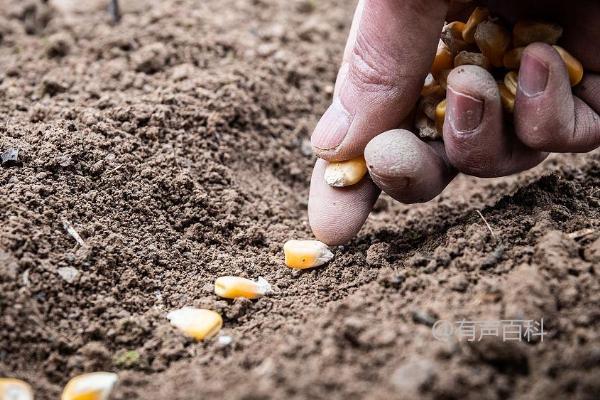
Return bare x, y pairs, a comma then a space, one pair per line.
484, 41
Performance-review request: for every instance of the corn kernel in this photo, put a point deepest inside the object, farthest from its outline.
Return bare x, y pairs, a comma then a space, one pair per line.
92, 386
443, 59
506, 98
197, 323
15, 389
303, 254
512, 58
452, 37
431, 86
440, 115
443, 78
511, 81
527, 32
345, 173
493, 40
479, 15
232, 287
574, 67
471, 58
426, 128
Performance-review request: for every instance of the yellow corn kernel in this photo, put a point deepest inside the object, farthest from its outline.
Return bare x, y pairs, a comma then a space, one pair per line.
511, 81
493, 40
574, 67
92, 386
232, 287
426, 128
443, 59
303, 254
197, 323
506, 97
471, 58
452, 37
345, 173
440, 115
527, 32
431, 86
512, 58
479, 15
15, 389
443, 78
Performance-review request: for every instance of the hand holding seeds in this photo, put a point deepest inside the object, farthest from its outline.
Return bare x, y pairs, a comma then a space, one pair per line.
489, 88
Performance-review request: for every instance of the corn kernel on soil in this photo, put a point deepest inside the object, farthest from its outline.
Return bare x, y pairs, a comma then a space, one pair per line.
15, 389
303, 254
232, 287
91, 386
197, 323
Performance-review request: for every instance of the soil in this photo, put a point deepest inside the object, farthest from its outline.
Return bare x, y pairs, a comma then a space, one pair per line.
175, 144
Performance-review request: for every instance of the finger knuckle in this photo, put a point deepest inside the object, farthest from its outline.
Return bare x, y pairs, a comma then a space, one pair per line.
371, 69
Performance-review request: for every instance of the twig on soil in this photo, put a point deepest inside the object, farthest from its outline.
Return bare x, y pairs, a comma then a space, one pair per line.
115, 12
71, 231
486, 223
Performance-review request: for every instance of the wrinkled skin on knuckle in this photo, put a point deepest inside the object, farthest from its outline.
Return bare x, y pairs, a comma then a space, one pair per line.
370, 70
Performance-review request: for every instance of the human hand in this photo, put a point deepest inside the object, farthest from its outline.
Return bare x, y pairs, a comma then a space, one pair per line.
389, 52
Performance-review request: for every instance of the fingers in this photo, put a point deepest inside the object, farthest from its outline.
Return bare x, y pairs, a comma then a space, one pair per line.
475, 138
389, 52
406, 168
547, 115
337, 214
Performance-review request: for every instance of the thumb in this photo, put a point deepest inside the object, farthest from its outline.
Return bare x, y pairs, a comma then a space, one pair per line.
389, 52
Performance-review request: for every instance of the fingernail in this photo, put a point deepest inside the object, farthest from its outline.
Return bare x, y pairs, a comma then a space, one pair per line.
464, 112
332, 128
533, 76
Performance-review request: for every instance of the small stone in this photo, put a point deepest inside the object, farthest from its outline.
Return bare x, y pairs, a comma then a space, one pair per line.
10, 157
414, 376
69, 274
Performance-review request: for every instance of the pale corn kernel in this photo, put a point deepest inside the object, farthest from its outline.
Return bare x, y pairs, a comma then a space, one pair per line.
345, 173
471, 58
512, 58
197, 323
452, 37
443, 59
232, 287
431, 86
511, 81
506, 98
440, 115
15, 389
479, 15
493, 40
426, 128
92, 386
443, 78
303, 254
574, 67
527, 32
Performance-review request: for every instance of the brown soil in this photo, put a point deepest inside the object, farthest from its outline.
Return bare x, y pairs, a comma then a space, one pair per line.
175, 144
